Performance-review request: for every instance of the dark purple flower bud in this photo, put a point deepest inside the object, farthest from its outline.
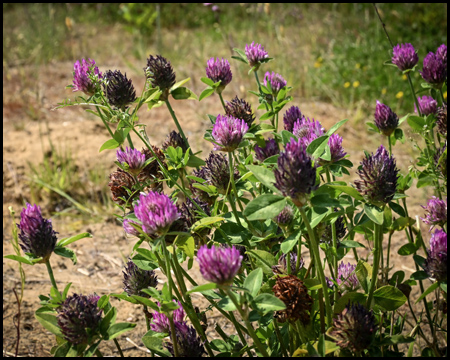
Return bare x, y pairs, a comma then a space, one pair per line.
160, 321
285, 217
308, 129
79, 319
219, 264
152, 175
282, 266
434, 70
118, 89
121, 184
442, 119
378, 177
130, 229
156, 212
296, 174
292, 115
440, 160
228, 132
271, 149
135, 280
354, 329
132, 159
347, 280
240, 109
255, 54
160, 73
276, 82
436, 262
336, 149
188, 343
219, 70
175, 140
341, 230
82, 76
404, 56
441, 53
385, 119
436, 212
427, 105
36, 233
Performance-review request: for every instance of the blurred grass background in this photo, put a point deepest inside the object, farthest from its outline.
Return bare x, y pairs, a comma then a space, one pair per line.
329, 52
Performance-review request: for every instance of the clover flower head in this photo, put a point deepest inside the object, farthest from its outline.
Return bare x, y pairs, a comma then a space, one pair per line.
81, 79
175, 140
219, 70
442, 119
282, 266
436, 212
385, 119
285, 217
156, 212
441, 53
160, 321
151, 174
118, 89
255, 54
135, 279
133, 158
160, 73
336, 149
219, 264
378, 177
434, 70
307, 129
427, 105
436, 262
228, 132
277, 82
341, 230
404, 56
271, 149
79, 319
36, 233
292, 115
354, 329
296, 174
129, 229
240, 109
189, 343
346, 279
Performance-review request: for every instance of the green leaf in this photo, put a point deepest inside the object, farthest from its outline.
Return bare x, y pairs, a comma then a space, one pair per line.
183, 93
268, 115
155, 344
205, 93
253, 281
124, 296
348, 244
286, 136
399, 135
317, 146
144, 301
207, 81
363, 272
323, 200
417, 123
67, 253
241, 54
374, 213
264, 207
266, 303
288, 244
397, 208
350, 297
444, 287
178, 84
433, 287
389, 297
205, 222
263, 259
92, 349
336, 126
186, 244
407, 249
118, 329
63, 349
348, 190
48, 320
202, 288
19, 259
265, 176
195, 161
419, 275
72, 239
109, 145
107, 320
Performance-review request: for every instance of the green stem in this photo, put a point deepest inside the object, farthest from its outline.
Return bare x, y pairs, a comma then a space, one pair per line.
129, 141
388, 255
223, 103
233, 206
414, 95
104, 122
280, 338
334, 240
314, 248
180, 130
250, 329
118, 347
390, 145
173, 335
50, 274
378, 239
147, 321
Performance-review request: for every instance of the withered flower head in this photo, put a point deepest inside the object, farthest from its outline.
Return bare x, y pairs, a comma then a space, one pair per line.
121, 184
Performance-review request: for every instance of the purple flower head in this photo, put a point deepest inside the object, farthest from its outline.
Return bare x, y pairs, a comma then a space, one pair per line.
160, 73
79, 319
308, 129
292, 115
276, 82
441, 121
219, 264
336, 149
188, 343
81, 80
219, 70
282, 266
404, 56
255, 54
161, 321
436, 212
378, 177
228, 132
129, 229
175, 140
347, 279
135, 280
240, 109
133, 159
271, 149
285, 217
118, 89
434, 70
296, 174
436, 262
385, 119
36, 233
427, 105
156, 212
441, 53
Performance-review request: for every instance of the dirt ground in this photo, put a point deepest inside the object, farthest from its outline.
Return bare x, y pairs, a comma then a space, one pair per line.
27, 102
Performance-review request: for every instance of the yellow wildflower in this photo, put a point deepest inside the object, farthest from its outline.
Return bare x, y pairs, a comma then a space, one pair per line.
347, 84
356, 84
399, 95
384, 91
